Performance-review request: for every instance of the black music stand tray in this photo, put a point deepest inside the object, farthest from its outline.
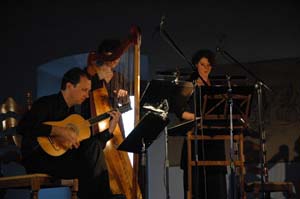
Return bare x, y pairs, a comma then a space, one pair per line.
143, 135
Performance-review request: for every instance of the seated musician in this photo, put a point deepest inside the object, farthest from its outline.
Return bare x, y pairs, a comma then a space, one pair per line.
212, 177
112, 86
103, 74
83, 159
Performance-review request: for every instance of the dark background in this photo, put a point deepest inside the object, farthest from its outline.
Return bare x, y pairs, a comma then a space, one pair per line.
263, 35
36, 32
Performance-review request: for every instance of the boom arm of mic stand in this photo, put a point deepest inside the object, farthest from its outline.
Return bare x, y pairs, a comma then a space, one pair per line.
171, 42
245, 68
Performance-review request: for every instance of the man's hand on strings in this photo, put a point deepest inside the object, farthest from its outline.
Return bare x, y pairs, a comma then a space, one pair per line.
121, 93
65, 137
115, 116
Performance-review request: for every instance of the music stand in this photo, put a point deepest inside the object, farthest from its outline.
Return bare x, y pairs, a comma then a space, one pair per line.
141, 137
218, 115
152, 123
158, 96
215, 104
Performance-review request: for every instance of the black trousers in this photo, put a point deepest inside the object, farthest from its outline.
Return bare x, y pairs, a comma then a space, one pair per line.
213, 185
87, 163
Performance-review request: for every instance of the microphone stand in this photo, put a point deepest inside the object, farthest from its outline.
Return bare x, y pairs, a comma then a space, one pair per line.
258, 86
165, 106
167, 164
171, 42
144, 160
233, 190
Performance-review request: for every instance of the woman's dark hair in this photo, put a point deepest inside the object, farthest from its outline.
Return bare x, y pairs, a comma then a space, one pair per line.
108, 45
73, 76
204, 53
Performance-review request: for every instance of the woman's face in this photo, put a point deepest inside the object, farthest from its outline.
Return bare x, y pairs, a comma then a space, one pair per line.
113, 64
204, 67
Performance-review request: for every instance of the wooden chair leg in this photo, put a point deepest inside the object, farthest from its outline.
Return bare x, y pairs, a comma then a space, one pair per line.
290, 191
290, 194
34, 182
74, 189
74, 195
256, 192
34, 194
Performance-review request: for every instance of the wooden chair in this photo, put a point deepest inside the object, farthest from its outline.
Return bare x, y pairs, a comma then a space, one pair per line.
36, 181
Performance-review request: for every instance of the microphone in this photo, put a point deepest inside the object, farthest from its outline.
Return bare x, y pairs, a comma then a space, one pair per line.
219, 49
159, 27
162, 21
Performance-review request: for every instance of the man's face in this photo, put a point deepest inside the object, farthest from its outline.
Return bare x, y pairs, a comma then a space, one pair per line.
80, 91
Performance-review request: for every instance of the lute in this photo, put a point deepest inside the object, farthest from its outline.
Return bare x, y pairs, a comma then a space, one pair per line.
79, 125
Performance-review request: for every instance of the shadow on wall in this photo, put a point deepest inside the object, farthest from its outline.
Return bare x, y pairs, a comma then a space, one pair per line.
291, 168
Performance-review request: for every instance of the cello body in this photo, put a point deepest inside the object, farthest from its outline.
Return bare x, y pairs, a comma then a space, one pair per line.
121, 172
118, 162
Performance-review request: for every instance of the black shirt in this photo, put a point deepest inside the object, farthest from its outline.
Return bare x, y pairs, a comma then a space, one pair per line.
31, 126
48, 108
117, 82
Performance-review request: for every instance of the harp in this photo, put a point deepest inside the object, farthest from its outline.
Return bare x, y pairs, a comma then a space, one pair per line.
122, 173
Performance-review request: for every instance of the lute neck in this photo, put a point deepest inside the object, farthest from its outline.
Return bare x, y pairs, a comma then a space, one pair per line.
98, 118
